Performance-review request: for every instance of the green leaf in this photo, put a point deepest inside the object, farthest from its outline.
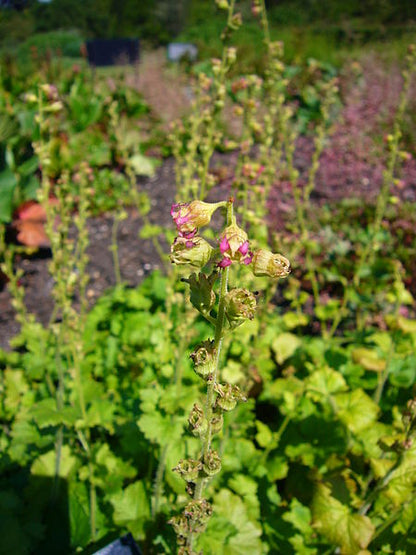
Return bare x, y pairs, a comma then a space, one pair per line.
45, 464
8, 183
45, 414
264, 436
29, 166
246, 487
284, 346
142, 165
79, 514
155, 426
407, 519
230, 530
356, 409
402, 371
101, 413
132, 508
277, 468
24, 435
300, 517
293, 319
351, 532
326, 381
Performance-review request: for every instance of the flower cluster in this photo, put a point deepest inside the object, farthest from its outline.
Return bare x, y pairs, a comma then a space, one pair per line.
189, 248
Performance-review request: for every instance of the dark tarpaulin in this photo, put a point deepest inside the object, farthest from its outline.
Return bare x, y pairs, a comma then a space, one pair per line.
110, 52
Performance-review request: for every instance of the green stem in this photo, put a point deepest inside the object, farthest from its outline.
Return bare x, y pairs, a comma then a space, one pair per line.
114, 249
218, 340
158, 483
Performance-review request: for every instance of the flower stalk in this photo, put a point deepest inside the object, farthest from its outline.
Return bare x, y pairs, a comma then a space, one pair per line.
234, 306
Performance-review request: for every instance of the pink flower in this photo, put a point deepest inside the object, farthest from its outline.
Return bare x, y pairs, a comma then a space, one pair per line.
189, 216
234, 246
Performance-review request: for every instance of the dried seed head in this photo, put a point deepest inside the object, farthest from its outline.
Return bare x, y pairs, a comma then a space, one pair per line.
266, 263
240, 305
195, 251
204, 359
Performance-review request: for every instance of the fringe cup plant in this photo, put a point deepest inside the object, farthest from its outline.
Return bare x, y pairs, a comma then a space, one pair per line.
225, 310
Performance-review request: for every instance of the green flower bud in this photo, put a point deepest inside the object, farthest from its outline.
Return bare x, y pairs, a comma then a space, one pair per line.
265, 263
196, 251
204, 359
212, 463
228, 396
240, 305
222, 4
202, 296
197, 422
188, 469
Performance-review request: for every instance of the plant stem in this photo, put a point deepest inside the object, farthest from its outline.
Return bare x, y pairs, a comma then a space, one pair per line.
114, 249
218, 340
366, 506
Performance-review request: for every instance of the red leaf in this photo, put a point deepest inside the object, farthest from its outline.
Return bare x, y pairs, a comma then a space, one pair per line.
31, 210
31, 233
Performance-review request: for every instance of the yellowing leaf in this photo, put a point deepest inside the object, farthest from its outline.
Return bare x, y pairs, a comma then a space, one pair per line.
284, 346
401, 486
352, 533
406, 325
369, 359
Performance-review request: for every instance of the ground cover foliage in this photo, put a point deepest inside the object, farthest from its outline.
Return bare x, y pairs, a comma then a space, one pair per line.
94, 407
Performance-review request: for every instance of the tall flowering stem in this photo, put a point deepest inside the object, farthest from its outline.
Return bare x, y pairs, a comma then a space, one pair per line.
231, 309
218, 340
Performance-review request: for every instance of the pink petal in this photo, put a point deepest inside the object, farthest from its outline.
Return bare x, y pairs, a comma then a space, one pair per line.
224, 245
188, 234
224, 263
248, 259
174, 210
244, 248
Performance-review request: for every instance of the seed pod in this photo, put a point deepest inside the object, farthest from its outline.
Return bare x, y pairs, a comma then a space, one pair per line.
197, 513
197, 421
217, 422
228, 396
188, 469
204, 359
194, 251
265, 263
212, 463
240, 305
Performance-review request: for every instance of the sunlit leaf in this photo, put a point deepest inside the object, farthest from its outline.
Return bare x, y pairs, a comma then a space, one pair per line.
350, 532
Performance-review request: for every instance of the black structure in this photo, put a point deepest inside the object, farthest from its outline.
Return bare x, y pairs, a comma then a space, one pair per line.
123, 546
110, 52
13, 4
